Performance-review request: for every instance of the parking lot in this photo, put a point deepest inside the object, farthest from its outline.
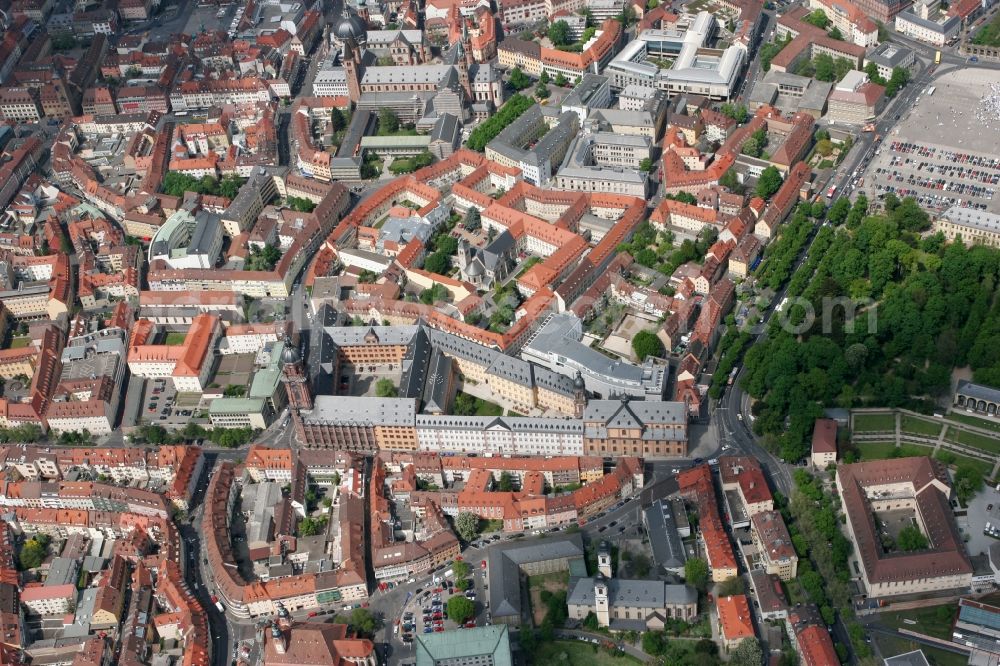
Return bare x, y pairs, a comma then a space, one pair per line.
942, 152
161, 405
937, 178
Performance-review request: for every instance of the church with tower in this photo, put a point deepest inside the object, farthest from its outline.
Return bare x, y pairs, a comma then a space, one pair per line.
625, 604
417, 91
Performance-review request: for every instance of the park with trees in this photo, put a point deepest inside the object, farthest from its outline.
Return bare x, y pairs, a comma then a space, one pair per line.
911, 308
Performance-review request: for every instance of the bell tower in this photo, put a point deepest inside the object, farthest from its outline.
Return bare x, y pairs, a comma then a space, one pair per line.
601, 602
604, 559
579, 397
293, 375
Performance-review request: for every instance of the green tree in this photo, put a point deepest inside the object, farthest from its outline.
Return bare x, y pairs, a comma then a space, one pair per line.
388, 121
730, 586
737, 112
731, 180
384, 388
900, 77
437, 263
968, 482
263, 259
460, 609
747, 653
754, 146
646, 344
506, 483
817, 18
684, 197
559, 33
337, 120
824, 147
461, 569
696, 573
871, 69
467, 525
300, 204
364, 622
473, 220
63, 41
653, 642
646, 164
560, 79
465, 405
824, 68
542, 91
768, 183
518, 79
627, 17
769, 50
508, 113
838, 211
230, 186
544, 77
33, 553
312, 526
835, 33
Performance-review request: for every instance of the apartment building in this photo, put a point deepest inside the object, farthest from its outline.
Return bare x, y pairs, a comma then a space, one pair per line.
774, 545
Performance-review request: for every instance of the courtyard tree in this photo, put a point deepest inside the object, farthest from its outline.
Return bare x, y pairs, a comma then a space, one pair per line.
33, 552
696, 573
337, 120
768, 183
911, 538
384, 388
388, 121
506, 483
473, 220
467, 525
646, 344
559, 33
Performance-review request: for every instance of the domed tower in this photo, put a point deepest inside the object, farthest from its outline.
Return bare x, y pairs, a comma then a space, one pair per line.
604, 559
579, 395
293, 375
351, 28
278, 639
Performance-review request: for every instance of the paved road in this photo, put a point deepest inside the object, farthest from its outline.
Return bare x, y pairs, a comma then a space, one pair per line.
191, 534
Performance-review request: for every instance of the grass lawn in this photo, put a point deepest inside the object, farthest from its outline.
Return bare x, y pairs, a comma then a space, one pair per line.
487, 408
875, 450
931, 620
794, 592
578, 652
975, 440
973, 421
989, 34
910, 450
874, 422
983, 466
920, 426
549, 579
175, 338
20, 343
